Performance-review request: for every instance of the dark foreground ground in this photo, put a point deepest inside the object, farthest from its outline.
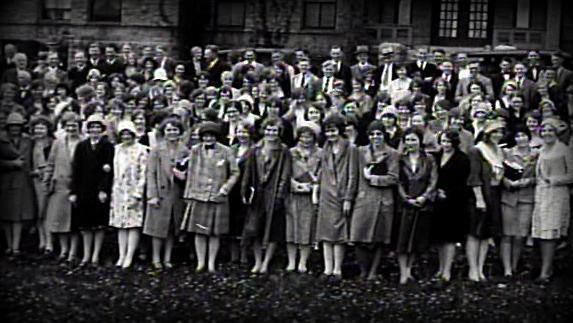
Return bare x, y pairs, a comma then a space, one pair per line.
33, 289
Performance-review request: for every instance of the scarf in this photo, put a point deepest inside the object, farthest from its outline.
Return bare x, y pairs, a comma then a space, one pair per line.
494, 157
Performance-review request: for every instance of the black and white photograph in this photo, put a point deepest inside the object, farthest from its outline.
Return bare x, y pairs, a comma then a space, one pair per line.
286, 161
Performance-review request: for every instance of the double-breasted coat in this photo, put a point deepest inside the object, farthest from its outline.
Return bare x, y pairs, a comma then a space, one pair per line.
59, 175
265, 183
338, 182
161, 184
127, 204
208, 212
414, 222
373, 211
92, 172
300, 212
17, 196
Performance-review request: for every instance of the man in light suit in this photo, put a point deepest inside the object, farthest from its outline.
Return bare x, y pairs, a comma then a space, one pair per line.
250, 59
360, 69
328, 79
305, 79
386, 72
474, 74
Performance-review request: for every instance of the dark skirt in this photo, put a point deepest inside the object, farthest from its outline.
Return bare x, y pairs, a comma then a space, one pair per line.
206, 218
257, 218
449, 221
90, 215
413, 231
487, 224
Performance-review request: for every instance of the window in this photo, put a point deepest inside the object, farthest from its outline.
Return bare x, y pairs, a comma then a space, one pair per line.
105, 10
320, 14
57, 10
449, 10
231, 13
461, 22
478, 19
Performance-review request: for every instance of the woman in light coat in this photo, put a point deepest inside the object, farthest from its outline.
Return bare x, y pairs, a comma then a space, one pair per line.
127, 205
552, 211
373, 212
59, 176
336, 192
164, 192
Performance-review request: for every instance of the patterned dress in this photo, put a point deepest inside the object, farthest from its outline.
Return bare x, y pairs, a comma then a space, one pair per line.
127, 204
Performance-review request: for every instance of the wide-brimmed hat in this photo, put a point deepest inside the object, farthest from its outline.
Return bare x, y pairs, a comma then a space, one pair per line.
95, 118
390, 110
160, 75
15, 118
126, 125
493, 125
308, 125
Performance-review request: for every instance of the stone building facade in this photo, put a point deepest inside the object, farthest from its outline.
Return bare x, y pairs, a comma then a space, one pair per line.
313, 24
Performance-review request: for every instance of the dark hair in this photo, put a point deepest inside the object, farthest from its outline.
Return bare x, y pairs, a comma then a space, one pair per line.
521, 128
472, 82
63, 86
40, 119
150, 59
172, 121
375, 125
416, 131
452, 135
337, 120
272, 122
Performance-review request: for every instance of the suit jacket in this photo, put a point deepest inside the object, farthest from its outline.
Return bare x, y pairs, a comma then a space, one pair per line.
359, 72
215, 70
462, 88
530, 75
429, 71
527, 88
111, 68
258, 68
4, 65
450, 94
77, 77
497, 81
191, 73
344, 74
378, 75
98, 65
311, 86
10, 76
564, 78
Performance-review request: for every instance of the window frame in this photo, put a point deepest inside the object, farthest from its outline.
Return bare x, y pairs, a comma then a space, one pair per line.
320, 3
44, 18
91, 16
217, 12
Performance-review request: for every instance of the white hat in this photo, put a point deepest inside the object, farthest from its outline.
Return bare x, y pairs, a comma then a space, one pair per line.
126, 125
160, 75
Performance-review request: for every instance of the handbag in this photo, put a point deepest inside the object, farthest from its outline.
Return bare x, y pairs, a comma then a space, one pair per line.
512, 171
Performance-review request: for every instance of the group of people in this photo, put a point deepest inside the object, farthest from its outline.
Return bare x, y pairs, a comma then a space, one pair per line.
411, 153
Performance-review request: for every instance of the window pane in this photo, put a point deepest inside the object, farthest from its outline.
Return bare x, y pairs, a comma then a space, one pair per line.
105, 10
327, 16
312, 15
231, 13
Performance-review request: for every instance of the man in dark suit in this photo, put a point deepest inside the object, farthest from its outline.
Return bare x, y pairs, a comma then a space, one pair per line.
215, 66
197, 64
164, 61
112, 63
7, 61
77, 75
422, 67
341, 70
505, 73
24, 97
386, 71
446, 72
524, 85
95, 59
534, 65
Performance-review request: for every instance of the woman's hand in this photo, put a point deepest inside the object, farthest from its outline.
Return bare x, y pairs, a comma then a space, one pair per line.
102, 196
181, 175
153, 202
480, 205
368, 172
346, 206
